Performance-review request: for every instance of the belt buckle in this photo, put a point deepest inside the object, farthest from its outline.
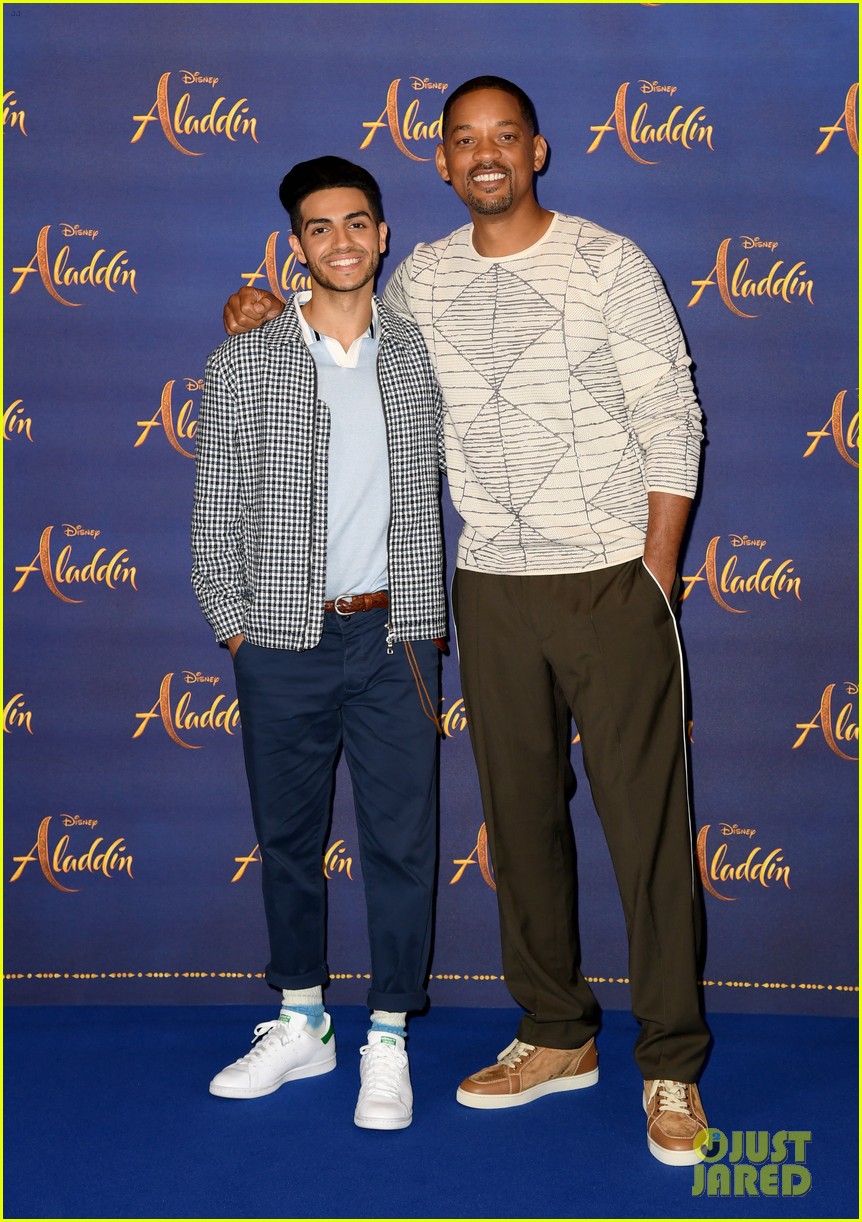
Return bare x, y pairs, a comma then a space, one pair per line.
346, 599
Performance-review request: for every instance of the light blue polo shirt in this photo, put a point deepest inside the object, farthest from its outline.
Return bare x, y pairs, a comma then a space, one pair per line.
358, 498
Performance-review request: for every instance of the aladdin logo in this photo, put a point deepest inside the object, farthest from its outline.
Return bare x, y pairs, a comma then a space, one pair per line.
768, 578
478, 856
784, 285
406, 129
99, 858
454, 720
725, 866
845, 441
220, 715
335, 861
847, 119
16, 715
290, 280
686, 130
230, 123
184, 427
12, 116
836, 729
100, 569
107, 272
755, 1158
15, 422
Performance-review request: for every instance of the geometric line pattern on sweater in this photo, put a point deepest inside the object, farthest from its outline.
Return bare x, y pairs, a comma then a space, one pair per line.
510, 453
494, 320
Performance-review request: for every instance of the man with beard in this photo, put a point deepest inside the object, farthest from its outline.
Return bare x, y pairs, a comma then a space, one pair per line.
573, 443
318, 562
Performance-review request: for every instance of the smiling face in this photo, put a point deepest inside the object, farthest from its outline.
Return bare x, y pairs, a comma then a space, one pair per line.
338, 239
489, 153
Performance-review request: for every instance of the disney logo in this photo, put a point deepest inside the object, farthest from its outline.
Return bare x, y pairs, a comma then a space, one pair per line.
195, 676
75, 231
73, 531
194, 383
77, 821
655, 87
744, 541
749, 243
422, 82
195, 78
733, 829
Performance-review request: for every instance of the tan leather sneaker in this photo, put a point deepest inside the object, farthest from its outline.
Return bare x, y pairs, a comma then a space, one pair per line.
524, 1073
675, 1122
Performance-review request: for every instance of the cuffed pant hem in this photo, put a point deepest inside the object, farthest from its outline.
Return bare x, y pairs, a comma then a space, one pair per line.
396, 1002
279, 981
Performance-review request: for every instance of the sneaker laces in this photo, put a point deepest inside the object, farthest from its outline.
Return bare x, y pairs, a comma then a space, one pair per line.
673, 1097
266, 1036
515, 1053
382, 1067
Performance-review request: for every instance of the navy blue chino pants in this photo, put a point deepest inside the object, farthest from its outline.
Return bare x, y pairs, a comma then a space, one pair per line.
297, 709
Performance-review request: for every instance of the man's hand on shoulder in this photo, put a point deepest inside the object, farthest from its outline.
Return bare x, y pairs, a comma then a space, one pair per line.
248, 308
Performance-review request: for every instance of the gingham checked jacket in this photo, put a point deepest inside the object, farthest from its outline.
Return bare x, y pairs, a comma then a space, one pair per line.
262, 460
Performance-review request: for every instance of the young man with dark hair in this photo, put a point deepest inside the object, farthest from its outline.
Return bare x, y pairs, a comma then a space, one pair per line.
317, 559
573, 442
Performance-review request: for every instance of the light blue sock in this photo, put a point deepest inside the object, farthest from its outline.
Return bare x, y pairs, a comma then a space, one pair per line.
393, 1022
304, 1001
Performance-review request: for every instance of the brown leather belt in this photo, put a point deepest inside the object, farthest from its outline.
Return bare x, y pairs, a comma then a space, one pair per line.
344, 605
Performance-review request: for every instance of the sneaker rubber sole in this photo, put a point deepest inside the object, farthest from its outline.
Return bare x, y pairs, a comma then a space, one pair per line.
398, 1123
491, 1102
292, 1075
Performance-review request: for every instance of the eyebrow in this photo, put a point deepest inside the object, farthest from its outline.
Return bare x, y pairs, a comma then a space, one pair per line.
327, 220
466, 127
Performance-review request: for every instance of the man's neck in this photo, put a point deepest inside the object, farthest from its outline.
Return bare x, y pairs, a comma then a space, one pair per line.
508, 233
341, 316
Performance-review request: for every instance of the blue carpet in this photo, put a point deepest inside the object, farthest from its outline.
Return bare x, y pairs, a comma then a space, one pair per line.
108, 1116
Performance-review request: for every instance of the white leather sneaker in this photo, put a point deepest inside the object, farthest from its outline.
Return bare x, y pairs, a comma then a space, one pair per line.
385, 1094
282, 1052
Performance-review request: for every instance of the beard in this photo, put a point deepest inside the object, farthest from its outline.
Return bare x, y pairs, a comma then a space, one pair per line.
320, 276
484, 206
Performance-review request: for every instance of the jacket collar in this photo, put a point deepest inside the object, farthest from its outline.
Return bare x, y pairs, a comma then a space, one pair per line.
286, 328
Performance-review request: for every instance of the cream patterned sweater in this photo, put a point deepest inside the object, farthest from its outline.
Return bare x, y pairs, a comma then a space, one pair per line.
567, 389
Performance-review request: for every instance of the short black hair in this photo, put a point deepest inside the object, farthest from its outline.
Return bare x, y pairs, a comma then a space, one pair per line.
525, 105
321, 174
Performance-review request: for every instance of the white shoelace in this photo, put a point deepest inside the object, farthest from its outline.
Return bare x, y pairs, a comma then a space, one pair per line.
266, 1037
515, 1053
382, 1069
673, 1097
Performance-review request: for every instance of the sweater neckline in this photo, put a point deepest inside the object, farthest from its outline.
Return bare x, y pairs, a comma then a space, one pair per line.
518, 254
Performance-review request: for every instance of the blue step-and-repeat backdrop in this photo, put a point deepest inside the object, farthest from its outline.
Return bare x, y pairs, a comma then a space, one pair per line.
144, 145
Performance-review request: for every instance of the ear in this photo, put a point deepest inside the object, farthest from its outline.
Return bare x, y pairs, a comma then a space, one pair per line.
296, 247
440, 162
540, 152
383, 233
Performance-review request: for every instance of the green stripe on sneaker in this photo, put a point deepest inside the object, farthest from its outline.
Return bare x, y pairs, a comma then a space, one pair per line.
324, 1039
